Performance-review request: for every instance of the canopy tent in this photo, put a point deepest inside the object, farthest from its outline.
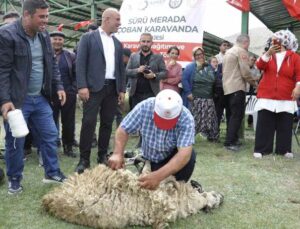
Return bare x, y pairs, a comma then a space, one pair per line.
274, 15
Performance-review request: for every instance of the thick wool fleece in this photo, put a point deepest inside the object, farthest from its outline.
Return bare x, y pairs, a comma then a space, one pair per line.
103, 198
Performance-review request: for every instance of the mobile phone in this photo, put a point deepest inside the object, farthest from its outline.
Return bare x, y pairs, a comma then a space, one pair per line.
276, 42
147, 71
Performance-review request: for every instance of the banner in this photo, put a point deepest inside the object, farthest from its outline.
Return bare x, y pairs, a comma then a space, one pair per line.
171, 22
293, 7
242, 5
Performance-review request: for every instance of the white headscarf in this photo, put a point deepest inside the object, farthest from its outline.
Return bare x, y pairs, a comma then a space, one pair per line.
287, 39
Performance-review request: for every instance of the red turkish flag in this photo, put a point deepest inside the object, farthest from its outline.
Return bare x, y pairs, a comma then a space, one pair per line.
60, 27
81, 24
242, 5
293, 7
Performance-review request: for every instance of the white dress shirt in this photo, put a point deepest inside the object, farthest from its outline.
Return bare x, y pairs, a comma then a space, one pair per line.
109, 53
220, 57
272, 104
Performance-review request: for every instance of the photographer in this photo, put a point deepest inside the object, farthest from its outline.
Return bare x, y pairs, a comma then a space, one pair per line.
277, 92
145, 69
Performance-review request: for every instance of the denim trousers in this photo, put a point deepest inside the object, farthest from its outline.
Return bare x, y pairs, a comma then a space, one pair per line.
38, 110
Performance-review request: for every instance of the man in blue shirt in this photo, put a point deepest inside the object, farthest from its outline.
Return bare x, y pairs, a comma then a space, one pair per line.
167, 130
28, 76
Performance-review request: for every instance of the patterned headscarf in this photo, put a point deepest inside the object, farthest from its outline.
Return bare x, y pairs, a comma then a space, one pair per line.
288, 39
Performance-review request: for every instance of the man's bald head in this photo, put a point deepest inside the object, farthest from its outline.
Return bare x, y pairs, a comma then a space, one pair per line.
109, 12
111, 20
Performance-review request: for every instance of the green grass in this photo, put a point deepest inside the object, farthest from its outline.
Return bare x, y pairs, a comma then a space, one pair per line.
258, 193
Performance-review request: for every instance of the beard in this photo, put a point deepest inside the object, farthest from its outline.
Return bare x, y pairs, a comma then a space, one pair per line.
145, 48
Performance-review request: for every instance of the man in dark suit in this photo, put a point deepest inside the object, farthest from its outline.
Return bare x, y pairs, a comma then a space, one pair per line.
101, 84
145, 69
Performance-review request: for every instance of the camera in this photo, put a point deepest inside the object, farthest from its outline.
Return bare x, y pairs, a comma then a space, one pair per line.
147, 70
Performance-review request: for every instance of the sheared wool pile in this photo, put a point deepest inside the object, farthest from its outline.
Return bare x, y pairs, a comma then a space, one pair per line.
104, 198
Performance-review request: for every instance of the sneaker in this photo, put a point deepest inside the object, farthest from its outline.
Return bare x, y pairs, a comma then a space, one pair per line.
289, 155
14, 187
59, 178
257, 155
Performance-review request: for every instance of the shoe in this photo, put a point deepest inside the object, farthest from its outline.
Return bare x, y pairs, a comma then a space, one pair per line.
102, 158
289, 155
59, 178
257, 155
82, 165
68, 151
196, 185
14, 187
233, 148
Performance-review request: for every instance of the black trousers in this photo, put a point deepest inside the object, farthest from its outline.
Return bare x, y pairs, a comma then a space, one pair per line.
182, 175
267, 124
139, 97
235, 108
104, 103
67, 112
219, 101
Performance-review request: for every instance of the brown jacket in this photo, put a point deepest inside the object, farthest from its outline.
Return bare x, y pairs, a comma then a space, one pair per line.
236, 70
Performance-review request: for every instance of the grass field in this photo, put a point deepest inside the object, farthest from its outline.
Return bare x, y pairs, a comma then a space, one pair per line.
258, 193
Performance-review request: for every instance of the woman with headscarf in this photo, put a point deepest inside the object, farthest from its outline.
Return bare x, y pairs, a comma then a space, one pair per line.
198, 85
277, 92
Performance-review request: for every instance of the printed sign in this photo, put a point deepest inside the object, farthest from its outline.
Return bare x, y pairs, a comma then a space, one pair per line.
171, 22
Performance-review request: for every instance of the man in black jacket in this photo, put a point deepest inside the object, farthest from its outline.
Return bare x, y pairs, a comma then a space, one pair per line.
28, 75
66, 64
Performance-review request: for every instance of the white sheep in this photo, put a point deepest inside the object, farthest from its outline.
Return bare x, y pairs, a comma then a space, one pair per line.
104, 198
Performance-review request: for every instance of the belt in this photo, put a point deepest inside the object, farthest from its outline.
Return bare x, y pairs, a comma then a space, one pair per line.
109, 81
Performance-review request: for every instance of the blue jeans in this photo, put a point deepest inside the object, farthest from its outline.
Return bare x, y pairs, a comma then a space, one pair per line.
39, 111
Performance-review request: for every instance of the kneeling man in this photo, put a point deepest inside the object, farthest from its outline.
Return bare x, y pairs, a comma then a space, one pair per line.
167, 130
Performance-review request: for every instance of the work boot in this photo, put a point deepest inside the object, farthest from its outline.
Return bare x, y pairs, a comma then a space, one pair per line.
68, 151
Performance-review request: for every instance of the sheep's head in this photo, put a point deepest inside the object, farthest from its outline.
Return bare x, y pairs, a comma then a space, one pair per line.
214, 200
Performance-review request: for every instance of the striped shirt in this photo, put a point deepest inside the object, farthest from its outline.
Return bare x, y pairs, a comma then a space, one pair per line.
158, 144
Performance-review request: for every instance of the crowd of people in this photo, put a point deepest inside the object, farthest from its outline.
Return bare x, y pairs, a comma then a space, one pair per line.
169, 104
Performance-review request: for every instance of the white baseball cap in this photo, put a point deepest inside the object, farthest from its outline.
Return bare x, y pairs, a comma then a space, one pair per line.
167, 109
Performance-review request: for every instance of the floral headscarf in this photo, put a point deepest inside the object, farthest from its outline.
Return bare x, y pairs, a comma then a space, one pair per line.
288, 39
